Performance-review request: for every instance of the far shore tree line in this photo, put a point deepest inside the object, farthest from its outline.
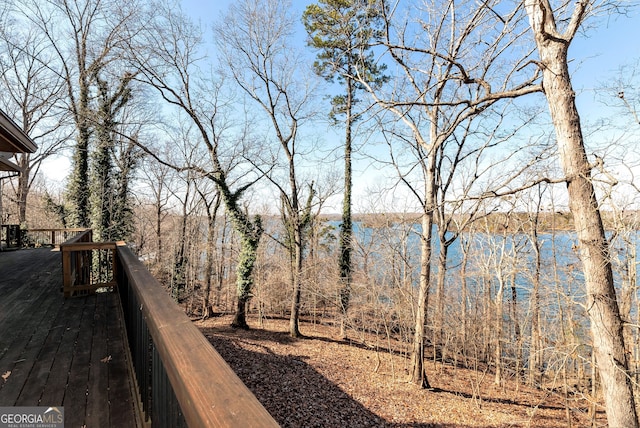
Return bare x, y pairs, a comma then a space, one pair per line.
503, 237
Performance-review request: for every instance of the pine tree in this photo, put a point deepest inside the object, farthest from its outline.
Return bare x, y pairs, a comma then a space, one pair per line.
343, 31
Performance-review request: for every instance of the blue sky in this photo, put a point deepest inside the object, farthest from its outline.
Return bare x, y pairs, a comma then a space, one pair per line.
597, 53
596, 56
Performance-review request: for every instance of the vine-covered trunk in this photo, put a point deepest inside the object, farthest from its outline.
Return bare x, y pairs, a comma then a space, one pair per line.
346, 228
79, 191
79, 180
296, 272
244, 277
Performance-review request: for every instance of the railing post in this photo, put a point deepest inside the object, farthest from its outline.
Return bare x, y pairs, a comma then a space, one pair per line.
66, 272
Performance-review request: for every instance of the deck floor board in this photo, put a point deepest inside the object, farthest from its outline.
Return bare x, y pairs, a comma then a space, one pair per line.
55, 351
99, 360
22, 343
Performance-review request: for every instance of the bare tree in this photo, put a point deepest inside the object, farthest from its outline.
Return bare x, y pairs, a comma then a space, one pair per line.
626, 89
448, 72
32, 91
532, 229
86, 36
156, 178
185, 194
554, 30
463, 181
255, 40
212, 208
167, 53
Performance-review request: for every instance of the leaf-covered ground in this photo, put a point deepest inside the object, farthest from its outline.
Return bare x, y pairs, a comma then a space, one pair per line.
321, 381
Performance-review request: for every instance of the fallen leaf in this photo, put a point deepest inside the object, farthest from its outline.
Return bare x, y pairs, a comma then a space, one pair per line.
6, 375
106, 359
335, 381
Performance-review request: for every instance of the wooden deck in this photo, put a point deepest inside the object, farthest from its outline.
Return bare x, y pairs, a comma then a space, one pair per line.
61, 352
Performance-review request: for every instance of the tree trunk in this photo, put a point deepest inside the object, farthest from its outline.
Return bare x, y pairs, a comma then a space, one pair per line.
517, 332
212, 213
1, 213
296, 272
535, 347
602, 306
23, 187
158, 230
498, 329
418, 375
244, 274
208, 270
250, 233
464, 312
635, 348
79, 180
180, 262
627, 291
240, 317
486, 313
346, 228
221, 267
438, 330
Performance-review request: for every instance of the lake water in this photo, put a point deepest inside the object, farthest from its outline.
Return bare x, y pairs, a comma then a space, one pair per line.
489, 254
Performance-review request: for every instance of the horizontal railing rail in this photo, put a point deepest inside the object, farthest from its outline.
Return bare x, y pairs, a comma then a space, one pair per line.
182, 380
52, 237
84, 235
14, 236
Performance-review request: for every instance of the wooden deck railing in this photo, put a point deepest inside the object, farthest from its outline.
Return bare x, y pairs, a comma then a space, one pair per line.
10, 236
53, 237
87, 266
13, 236
180, 378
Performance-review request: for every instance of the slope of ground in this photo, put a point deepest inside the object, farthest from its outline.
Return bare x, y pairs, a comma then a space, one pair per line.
321, 381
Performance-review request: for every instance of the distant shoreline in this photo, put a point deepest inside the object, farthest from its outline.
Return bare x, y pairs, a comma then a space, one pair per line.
500, 221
